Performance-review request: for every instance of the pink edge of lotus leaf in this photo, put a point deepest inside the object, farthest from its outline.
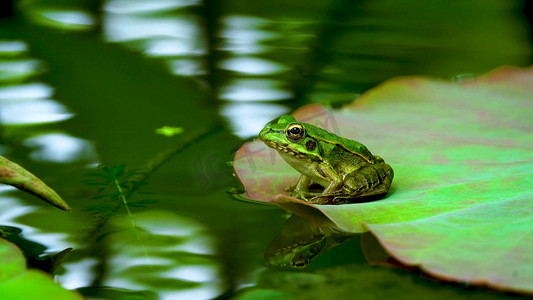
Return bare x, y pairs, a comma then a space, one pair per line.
309, 211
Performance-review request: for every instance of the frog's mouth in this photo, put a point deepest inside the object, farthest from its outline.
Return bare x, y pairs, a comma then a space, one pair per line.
285, 149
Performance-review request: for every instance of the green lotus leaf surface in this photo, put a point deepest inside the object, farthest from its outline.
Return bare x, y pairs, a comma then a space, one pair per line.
16, 282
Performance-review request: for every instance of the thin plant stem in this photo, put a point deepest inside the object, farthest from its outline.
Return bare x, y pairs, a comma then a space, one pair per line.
135, 229
97, 222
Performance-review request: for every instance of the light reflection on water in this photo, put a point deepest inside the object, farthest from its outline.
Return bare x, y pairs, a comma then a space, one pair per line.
13, 47
60, 148
32, 112
252, 65
245, 34
25, 91
72, 17
77, 273
162, 251
178, 37
246, 119
247, 93
13, 208
143, 6
59, 17
18, 69
187, 67
26, 103
30, 104
248, 89
183, 248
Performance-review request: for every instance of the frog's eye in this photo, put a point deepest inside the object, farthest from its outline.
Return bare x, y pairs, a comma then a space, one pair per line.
300, 263
295, 132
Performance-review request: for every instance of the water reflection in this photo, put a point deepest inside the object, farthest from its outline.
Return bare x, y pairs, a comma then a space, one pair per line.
187, 67
15, 70
243, 38
254, 90
26, 103
52, 15
299, 242
73, 278
252, 65
32, 112
60, 148
13, 209
69, 18
165, 252
26, 91
246, 119
143, 6
12, 47
164, 29
16, 208
30, 104
245, 34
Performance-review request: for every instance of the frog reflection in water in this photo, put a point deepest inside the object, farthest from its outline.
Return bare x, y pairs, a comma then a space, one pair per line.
345, 168
299, 242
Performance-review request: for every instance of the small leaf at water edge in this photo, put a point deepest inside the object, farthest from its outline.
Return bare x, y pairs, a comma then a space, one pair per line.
15, 175
18, 283
461, 203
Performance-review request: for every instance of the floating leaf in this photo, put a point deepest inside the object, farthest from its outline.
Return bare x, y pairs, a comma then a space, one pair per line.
461, 204
18, 283
15, 175
169, 130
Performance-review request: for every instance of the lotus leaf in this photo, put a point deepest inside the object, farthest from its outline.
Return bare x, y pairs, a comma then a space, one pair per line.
461, 203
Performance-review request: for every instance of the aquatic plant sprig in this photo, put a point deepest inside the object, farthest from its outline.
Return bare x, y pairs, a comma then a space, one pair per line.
124, 184
106, 210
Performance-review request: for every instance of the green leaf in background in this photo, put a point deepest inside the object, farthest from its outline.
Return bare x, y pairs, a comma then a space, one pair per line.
18, 283
461, 203
15, 175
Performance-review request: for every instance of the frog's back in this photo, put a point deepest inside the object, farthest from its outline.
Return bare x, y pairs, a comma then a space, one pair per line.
349, 145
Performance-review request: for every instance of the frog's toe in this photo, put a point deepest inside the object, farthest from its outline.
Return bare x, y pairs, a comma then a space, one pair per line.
321, 200
290, 188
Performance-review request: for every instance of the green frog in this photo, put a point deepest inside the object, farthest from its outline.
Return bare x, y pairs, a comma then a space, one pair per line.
346, 169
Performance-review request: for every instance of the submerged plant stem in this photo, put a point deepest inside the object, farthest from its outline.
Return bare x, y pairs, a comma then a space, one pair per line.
125, 202
100, 219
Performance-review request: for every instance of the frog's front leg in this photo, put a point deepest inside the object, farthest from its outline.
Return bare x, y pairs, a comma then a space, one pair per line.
301, 189
334, 187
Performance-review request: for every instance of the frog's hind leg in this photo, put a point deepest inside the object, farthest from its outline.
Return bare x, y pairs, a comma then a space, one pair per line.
372, 181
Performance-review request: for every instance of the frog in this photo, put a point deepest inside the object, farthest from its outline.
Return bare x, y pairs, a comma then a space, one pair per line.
346, 170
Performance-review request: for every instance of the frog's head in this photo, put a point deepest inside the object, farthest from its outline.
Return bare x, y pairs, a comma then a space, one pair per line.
288, 136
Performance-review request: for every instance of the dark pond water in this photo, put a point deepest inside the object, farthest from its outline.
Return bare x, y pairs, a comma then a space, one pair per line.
84, 83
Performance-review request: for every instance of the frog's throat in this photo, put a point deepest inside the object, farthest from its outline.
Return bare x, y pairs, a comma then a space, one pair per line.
285, 149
